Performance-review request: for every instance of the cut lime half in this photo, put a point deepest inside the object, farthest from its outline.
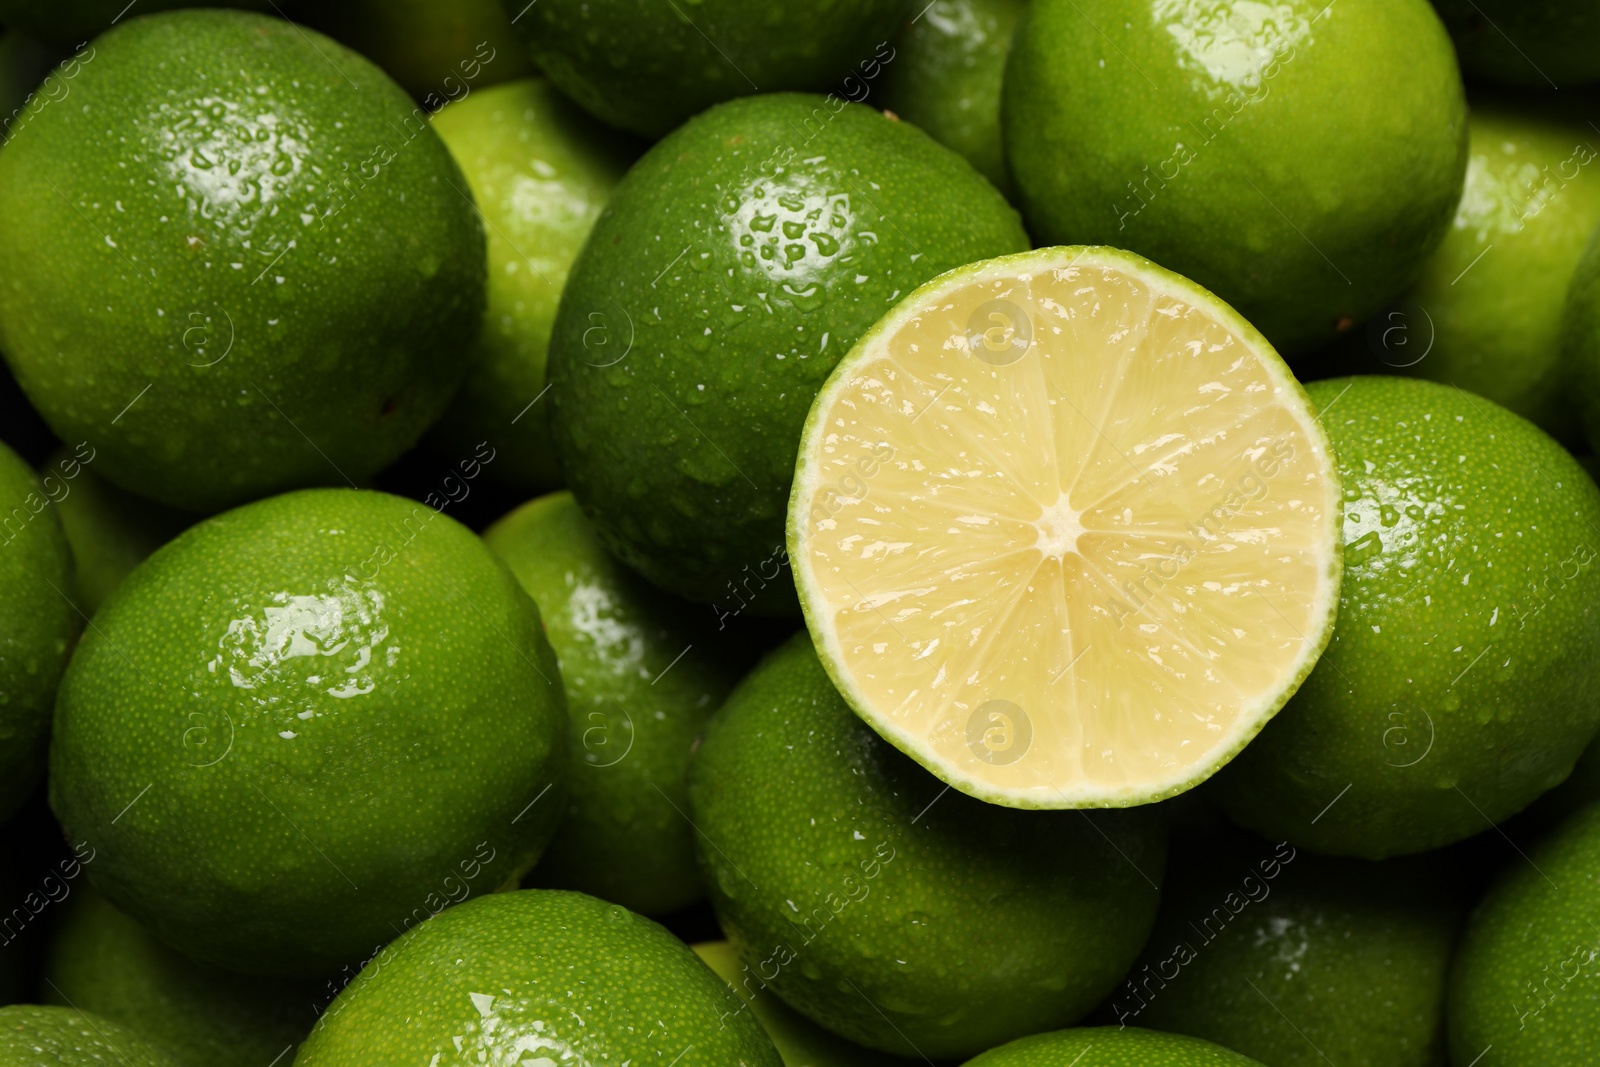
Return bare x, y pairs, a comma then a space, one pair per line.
1066, 530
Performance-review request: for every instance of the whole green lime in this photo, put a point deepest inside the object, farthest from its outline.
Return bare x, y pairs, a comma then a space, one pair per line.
306, 724
437, 50
252, 284
1277, 954
1300, 161
946, 77
537, 977
32, 1036
643, 672
886, 907
540, 170
109, 530
648, 67
37, 625
1538, 43
105, 963
736, 263
1525, 985
71, 25
1486, 313
1463, 676
1113, 1047
801, 1042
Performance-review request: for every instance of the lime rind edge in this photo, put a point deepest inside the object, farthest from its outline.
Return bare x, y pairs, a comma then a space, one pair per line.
825, 642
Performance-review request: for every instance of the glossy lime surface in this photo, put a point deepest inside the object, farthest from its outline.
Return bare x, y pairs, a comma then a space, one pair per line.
105, 963
37, 625
1111, 1047
890, 909
32, 1036
1299, 161
540, 170
282, 253
307, 724
734, 266
648, 67
643, 672
1486, 313
946, 75
1463, 677
533, 978
1525, 987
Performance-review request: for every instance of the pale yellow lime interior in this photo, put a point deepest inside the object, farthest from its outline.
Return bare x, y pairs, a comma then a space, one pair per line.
1068, 537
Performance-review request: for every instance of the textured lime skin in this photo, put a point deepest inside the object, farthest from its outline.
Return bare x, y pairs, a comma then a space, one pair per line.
946, 78
736, 263
1463, 677
1526, 977
896, 922
37, 625
70, 25
1112, 1047
1537, 43
437, 50
105, 963
642, 673
305, 724
646, 67
109, 530
1353, 954
32, 1036
553, 976
1149, 134
1493, 294
801, 1042
540, 170
190, 287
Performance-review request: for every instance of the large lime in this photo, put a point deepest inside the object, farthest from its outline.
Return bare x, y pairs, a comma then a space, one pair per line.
1525, 986
307, 724
105, 963
1463, 677
256, 281
1117, 1047
643, 672
946, 74
540, 170
737, 262
37, 624
1299, 159
889, 908
648, 67
31, 1036
1486, 313
1276, 953
536, 978
1539, 43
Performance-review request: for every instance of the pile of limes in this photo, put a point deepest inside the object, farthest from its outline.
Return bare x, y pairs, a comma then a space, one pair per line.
700, 533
